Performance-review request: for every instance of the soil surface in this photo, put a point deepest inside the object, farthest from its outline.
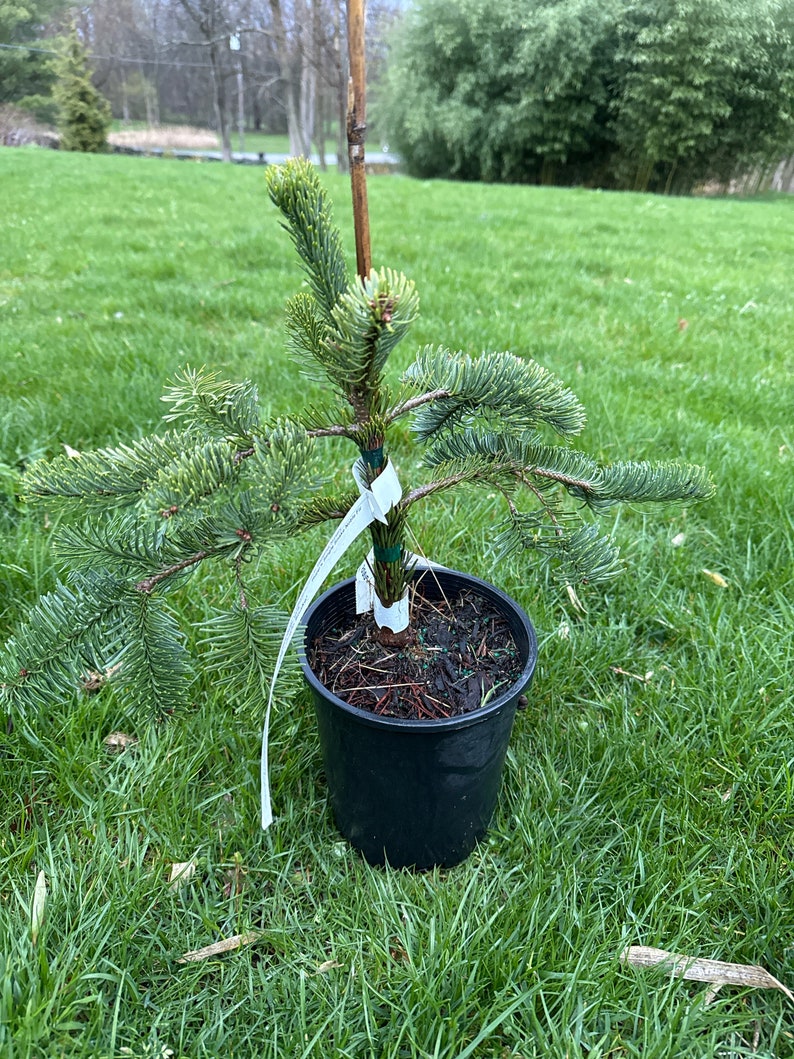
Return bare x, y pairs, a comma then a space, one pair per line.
464, 650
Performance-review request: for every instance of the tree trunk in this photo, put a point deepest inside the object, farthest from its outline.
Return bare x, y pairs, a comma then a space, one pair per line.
308, 92
240, 106
219, 100
125, 99
149, 101
319, 132
285, 60
341, 92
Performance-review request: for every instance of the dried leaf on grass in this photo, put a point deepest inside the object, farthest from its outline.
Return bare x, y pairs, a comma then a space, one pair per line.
235, 879
714, 972
398, 952
118, 741
181, 873
37, 908
643, 679
219, 947
718, 579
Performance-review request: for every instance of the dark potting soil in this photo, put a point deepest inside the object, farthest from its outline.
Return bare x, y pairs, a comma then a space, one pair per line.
463, 651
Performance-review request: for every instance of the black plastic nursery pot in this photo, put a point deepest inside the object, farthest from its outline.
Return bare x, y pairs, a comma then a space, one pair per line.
416, 793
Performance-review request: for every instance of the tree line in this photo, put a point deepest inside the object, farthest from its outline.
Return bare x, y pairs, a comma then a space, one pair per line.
638, 94
276, 66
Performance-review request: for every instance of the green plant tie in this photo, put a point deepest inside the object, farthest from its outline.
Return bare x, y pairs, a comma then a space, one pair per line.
387, 555
372, 457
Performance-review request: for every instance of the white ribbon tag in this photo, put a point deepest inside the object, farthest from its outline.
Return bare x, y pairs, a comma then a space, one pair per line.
395, 617
373, 503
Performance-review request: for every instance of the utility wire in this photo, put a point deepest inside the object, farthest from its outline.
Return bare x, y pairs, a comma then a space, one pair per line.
111, 58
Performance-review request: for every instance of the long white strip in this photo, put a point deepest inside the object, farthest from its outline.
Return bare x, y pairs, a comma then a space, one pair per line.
372, 504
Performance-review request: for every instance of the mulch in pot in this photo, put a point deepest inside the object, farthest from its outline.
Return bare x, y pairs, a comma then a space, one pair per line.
463, 651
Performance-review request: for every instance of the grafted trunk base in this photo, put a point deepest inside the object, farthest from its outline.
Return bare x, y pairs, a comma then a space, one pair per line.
386, 638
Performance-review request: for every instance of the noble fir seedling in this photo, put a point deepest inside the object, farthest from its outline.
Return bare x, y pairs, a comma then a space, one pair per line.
223, 486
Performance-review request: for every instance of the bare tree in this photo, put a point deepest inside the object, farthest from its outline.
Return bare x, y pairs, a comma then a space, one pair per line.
216, 24
171, 59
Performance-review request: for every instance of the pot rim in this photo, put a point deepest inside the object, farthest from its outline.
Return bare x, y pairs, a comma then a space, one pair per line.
405, 724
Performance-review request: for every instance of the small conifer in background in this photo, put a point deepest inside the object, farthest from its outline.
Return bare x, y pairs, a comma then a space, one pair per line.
83, 113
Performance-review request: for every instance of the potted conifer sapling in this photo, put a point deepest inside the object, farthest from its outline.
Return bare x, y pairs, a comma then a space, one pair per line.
415, 670
415, 701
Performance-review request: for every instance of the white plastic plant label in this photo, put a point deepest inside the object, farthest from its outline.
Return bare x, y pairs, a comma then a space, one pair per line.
394, 617
373, 503
397, 616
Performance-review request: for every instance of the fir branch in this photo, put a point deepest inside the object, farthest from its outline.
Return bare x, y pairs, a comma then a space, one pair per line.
194, 475
283, 469
239, 648
308, 337
296, 190
210, 404
71, 630
149, 554
107, 477
493, 455
369, 320
479, 472
154, 665
598, 485
326, 508
120, 546
519, 393
332, 421
576, 556
412, 403
148, 584
649, 482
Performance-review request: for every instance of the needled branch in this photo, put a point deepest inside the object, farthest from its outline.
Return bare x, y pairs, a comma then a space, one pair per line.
148, 584
356, 134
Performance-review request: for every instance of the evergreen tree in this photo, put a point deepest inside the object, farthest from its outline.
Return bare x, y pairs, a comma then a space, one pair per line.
706, 90
658, 94
224, 486
83, 113
25, 73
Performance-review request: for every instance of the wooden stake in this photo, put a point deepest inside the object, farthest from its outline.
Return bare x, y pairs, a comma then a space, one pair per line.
356, 133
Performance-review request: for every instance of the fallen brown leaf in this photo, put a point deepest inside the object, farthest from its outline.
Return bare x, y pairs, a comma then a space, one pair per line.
718, 579
219, 947
181, 872
118, 741
236, 878
37, 908
634, 676
715, 972
398, 952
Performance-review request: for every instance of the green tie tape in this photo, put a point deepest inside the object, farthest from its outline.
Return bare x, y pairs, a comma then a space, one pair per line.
387, 555
373, 457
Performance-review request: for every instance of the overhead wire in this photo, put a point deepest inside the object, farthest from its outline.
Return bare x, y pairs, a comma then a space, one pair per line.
110, 58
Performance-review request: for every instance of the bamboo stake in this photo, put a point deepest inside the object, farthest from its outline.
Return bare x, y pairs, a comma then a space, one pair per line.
356, 133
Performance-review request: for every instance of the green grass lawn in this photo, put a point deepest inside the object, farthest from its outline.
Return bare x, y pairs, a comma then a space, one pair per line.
649, 792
